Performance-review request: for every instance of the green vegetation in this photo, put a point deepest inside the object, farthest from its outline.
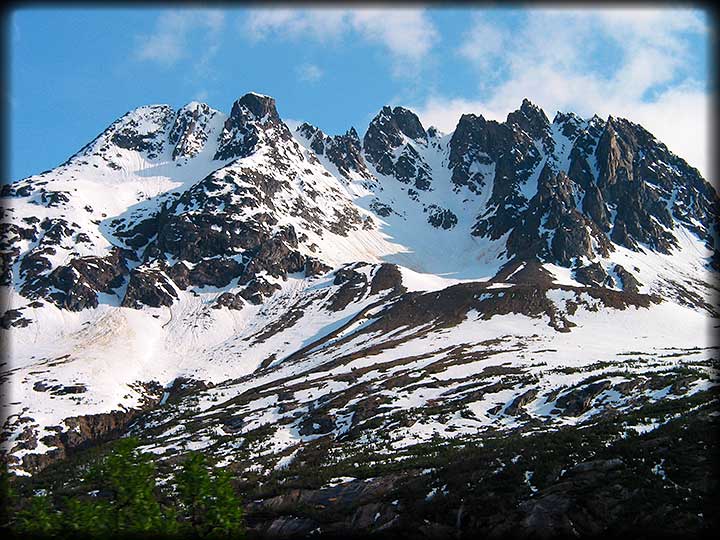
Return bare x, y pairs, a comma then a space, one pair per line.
119, 496
211, 508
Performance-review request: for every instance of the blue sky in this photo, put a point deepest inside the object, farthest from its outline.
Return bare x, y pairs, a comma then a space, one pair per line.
74, 71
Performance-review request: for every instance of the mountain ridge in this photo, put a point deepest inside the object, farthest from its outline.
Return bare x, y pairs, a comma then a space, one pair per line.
229, 250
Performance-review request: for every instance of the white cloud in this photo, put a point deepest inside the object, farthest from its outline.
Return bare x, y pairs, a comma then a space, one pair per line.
483, 43
629, 63
309, 72
168, 43
321, 24
407, 34
201, 95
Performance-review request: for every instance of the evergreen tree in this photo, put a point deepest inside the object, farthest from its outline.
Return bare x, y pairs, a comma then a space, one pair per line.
193, 484
225, 514
39, 518
212, 509
87, 517
126, 478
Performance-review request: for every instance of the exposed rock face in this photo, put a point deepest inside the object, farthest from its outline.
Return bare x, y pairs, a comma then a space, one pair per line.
313, 267
387, 277
473, 141
131, 136
594, 207
346, 153
343, 151
215, 272
639, 177
85, 431
190, 130
216, 241
148, 287
13, 317
594, 275
257, 289
230, 301
629, 283
358, 500
253, 118
578, 401
481, 151
180, 274
76, 285
531, 119
442, 217
552, 228
581, 207
143, 130
385, 147
555, 192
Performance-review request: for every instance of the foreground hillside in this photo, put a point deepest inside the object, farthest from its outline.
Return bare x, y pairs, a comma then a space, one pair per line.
385, 334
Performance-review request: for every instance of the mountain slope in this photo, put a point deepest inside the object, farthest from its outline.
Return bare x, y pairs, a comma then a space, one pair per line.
219, 281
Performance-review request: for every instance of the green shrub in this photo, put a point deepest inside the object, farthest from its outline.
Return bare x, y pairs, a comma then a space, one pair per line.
119, 497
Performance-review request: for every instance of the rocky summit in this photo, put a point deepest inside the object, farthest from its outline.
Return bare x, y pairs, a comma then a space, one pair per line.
502, 330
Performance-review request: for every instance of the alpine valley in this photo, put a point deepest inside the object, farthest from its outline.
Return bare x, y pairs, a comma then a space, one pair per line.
503, 330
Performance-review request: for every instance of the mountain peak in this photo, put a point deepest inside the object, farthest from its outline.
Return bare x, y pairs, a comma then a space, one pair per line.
562, 117
528, 106
258, 104
395, 121
253, 119
191, 129
569, 123
409, 123
307, 130
530, 117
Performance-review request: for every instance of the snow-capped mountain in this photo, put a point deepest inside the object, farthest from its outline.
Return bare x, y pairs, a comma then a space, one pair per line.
207, 280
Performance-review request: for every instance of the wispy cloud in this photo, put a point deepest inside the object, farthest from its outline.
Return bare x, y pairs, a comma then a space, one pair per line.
170, 40
201, 95
631, 63
483, 43
319, 24
15, 31
407, 34
309, 72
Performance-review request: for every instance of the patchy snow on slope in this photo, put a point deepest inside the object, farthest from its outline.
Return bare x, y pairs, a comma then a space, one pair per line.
295, 363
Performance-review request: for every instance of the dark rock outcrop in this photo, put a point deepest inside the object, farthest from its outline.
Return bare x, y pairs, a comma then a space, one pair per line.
578, 401
385, 134
343, 151
593, 275
629, 283
442, 217
477, 142
75, 286
148, 287
190, 130
253, 118
230, 301
552, 228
